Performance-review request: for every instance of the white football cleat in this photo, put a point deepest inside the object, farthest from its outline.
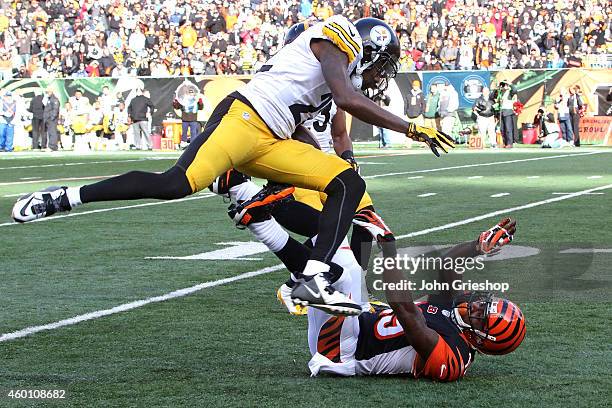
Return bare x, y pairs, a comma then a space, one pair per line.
41, 204
319, 293
283, 294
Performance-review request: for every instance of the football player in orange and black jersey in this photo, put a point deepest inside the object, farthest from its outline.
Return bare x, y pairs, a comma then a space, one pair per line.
437, 338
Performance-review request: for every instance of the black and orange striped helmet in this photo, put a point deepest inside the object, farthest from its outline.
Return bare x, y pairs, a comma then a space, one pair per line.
491, 325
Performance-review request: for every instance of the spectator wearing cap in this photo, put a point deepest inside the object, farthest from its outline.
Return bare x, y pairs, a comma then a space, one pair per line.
414, 105
8, 107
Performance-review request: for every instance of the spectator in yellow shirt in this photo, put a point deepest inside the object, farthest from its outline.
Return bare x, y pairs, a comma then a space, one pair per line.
189, 36
4, 21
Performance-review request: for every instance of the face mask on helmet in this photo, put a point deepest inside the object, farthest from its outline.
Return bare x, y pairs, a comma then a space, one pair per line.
491, 325
381, 52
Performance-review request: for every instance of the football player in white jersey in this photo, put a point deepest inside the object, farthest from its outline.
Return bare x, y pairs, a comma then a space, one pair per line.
250, 130
331, 135
436, 338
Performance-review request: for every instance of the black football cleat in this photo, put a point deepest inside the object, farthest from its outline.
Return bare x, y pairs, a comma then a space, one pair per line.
319, 293
231, 178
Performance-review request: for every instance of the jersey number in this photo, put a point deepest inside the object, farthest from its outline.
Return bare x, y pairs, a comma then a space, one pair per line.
297, 109
319, 125
387, 326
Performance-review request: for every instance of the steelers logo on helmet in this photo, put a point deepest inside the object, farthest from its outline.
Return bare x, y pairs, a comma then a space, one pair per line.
381, 52
380, 36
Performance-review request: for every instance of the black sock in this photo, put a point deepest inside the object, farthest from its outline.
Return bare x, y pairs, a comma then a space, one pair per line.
343, 195
297, 217
334, 273
137, 185
294, 256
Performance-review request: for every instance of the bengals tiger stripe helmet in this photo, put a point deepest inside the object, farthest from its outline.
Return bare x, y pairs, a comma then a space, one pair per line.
491, 325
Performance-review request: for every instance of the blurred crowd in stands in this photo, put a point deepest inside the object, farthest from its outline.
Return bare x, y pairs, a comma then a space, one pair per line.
88, 38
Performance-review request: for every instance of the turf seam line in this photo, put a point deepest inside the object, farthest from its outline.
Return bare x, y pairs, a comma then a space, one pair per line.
187, 291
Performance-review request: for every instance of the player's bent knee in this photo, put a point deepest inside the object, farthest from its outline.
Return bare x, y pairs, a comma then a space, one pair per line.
173, 184
348, 181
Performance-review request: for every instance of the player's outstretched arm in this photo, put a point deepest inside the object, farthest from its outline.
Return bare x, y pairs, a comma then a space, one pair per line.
488, 242
334, 64
421, 337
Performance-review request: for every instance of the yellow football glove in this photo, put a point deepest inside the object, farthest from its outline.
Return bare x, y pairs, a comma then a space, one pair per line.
432, 137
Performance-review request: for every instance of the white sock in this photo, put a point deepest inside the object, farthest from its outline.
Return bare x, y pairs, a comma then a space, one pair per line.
315, 267
244, 191
270, 233
74, 196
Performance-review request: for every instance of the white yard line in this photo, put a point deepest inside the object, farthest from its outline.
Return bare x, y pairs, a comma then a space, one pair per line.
533, 177
465, 166
505, 211
126, 207
570, 193
587, 251
594, 177
499, 195
427, 194
187, 291
136, 304
474, 177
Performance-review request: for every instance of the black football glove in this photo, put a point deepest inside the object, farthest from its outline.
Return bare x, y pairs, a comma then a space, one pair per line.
350, 158
432, 137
